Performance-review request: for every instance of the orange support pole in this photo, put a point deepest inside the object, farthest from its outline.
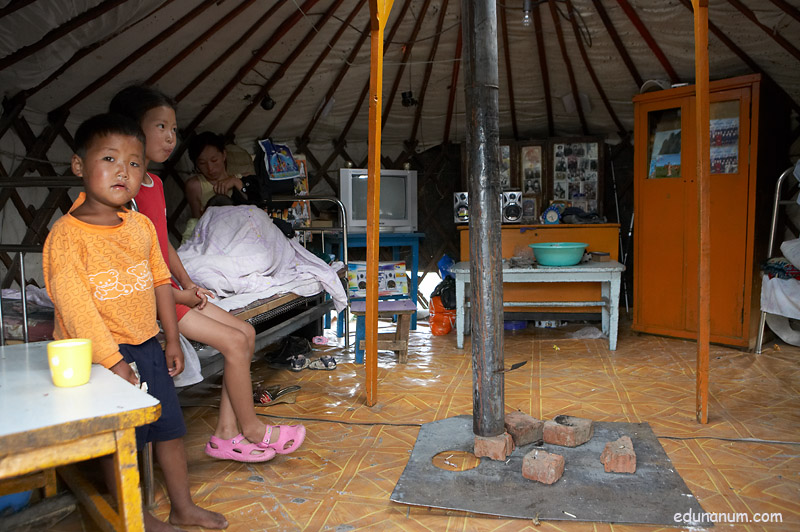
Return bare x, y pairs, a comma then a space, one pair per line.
704, 204
378, 15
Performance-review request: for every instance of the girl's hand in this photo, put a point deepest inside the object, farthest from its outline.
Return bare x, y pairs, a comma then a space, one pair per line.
203, 294
224, 185
195, 296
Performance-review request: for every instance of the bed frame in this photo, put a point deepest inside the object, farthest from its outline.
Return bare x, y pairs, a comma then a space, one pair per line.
785, 182
275, 318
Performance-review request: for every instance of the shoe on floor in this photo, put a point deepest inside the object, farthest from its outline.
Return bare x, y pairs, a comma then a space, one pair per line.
327, 362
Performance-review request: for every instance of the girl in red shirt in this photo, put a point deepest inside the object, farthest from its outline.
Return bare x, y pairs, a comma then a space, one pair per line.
239, 434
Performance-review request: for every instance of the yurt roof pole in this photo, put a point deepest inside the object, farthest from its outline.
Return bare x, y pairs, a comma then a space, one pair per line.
704, 204
306, 81
623, 52
481, 88
427, 76
573, 85
548, 100
451, 99
378, 15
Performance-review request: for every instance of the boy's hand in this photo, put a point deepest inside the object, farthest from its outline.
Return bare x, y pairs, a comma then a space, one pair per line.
174, 357
124, 370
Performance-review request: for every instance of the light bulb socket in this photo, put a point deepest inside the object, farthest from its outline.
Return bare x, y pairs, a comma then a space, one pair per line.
267, 102
408, 99
527, 8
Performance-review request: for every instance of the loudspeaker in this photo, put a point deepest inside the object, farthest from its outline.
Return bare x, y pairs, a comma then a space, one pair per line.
511, 207
461, 207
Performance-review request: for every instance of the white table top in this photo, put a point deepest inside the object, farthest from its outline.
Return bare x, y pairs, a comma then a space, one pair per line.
29, 400
594, 266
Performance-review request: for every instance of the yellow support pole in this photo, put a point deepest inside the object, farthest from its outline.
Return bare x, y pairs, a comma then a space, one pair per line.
704, 204
378, 15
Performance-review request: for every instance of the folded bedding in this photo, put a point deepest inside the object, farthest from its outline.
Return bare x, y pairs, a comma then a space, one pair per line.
239, 254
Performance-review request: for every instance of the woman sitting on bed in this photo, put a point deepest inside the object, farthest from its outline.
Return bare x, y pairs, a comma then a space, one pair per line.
207, 152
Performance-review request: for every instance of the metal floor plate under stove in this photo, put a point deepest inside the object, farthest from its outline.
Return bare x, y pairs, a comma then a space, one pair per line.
653, 495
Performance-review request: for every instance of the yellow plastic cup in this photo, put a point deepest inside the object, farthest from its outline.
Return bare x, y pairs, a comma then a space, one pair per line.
70, 361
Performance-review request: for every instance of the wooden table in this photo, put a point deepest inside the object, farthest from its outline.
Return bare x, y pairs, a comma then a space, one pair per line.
42, 427
607, 273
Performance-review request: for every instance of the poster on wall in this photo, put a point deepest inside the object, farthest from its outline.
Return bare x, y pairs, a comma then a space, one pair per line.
577, 170
665, 155
724, 144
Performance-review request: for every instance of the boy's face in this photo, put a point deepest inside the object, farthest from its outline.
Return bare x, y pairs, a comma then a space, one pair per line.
160, 129
112, 169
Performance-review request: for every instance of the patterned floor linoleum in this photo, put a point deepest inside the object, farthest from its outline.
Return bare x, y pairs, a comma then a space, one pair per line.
342, 477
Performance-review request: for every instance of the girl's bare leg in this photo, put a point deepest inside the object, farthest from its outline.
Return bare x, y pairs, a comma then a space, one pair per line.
235, 339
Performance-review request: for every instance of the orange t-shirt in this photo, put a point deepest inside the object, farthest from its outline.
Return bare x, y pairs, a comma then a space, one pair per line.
102, 281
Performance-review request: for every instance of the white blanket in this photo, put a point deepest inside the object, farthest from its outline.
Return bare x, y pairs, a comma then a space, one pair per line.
239, 254
781, 296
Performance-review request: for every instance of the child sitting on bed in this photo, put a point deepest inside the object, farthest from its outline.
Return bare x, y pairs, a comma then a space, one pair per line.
239, 434
104, 272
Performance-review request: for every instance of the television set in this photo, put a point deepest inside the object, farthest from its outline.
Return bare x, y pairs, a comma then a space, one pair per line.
398, 202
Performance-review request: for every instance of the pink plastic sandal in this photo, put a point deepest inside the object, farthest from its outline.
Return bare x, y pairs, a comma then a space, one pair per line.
289, 433
234, 449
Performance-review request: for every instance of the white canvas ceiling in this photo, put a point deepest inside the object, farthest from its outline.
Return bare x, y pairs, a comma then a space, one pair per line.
83, 51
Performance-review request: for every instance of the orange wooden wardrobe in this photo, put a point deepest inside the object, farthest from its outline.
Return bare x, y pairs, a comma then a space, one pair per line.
749, 148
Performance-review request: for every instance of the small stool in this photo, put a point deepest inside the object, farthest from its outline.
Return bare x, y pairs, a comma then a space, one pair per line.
396, 341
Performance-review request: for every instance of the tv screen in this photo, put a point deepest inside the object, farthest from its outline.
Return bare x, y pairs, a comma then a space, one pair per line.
398, 203
393, 197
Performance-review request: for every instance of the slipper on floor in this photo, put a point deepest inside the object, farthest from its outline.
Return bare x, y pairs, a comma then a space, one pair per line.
326, 362
274, 395
290, 348
234, 449
298, 363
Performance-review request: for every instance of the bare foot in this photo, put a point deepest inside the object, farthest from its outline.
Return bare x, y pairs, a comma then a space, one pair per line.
196, 516
151, 524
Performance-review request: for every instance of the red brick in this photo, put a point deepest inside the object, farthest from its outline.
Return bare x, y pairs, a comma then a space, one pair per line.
523, 428
568, 431
619, 456
542, 466
494, 447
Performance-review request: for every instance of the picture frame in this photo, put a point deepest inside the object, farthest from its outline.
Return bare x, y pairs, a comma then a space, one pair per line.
532, 168
508, 166
576, 172
530, 210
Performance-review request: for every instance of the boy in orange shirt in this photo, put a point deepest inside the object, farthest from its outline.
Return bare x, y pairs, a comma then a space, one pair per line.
105, 274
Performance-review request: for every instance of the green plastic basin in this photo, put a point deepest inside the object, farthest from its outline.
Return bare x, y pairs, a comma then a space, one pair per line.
558, 253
